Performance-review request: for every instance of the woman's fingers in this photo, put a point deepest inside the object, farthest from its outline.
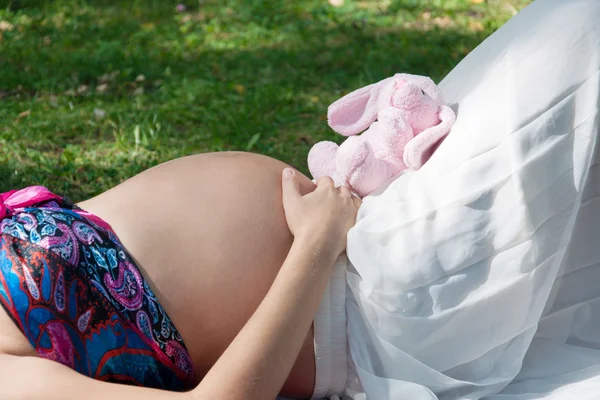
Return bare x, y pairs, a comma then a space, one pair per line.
290, 186
345, 191
325, 181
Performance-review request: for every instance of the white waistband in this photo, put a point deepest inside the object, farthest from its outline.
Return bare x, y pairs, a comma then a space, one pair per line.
330, 341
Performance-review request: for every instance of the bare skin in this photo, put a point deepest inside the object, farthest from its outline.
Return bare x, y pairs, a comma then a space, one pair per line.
210, 235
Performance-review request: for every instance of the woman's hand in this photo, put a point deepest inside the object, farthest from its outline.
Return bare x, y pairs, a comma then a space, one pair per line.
323, 216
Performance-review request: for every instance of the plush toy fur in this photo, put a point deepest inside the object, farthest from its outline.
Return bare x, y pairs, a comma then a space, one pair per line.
403, 118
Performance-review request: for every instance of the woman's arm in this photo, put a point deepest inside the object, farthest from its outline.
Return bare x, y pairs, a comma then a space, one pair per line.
271, 340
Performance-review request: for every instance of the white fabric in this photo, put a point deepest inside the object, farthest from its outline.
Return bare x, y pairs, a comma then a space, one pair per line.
330, 339
478, 276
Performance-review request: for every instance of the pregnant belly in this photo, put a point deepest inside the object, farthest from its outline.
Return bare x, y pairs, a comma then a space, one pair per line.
209, 234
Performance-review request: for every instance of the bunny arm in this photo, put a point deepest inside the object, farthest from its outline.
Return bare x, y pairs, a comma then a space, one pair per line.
358, 168
418, 150
321, 159
370, 160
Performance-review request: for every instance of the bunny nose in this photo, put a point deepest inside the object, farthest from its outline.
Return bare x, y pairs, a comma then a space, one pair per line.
409, 88
407, 95
413, 89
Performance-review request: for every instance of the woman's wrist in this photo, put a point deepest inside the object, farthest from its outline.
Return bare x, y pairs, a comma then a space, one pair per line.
320, 251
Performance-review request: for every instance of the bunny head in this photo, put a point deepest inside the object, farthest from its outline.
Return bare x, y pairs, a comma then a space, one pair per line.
416, 95
419, 98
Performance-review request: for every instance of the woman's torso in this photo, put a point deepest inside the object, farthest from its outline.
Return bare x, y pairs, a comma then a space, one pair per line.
209, 235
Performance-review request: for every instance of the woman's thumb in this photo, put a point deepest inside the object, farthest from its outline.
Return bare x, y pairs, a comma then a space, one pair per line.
290, 186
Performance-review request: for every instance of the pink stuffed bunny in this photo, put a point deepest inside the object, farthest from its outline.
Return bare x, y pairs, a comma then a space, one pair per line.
406, 118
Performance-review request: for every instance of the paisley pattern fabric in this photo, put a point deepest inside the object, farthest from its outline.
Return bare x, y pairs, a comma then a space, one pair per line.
79, 298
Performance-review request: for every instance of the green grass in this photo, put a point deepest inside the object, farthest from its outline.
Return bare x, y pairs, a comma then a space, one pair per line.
93, 92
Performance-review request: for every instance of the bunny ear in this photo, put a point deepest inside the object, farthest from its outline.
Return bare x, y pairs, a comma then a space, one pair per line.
354, 112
